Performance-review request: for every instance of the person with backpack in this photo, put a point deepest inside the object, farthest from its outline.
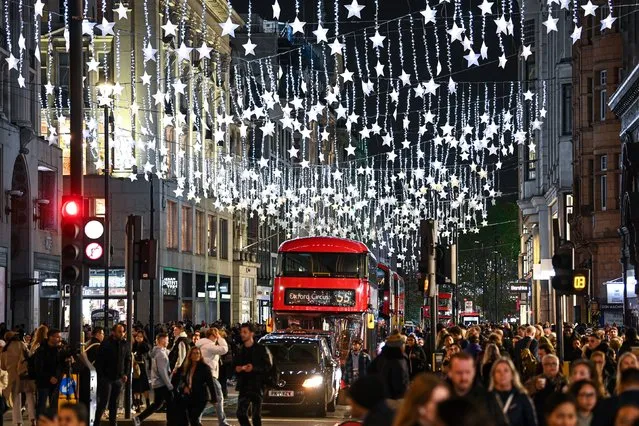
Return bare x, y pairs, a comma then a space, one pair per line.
178, 352
525, 352
212, 347
253, 366
15, 361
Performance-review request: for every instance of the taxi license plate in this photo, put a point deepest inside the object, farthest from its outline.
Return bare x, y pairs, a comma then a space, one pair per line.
281, 393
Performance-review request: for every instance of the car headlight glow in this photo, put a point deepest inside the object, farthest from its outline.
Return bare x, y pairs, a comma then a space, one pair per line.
313, 382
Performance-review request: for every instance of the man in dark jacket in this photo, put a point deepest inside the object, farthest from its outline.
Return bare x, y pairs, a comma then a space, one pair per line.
392, 366
91, 348
179, 350
251, 365
113, 365
551, 381
357, 362
416, 356
48, 367
366, 398
607, 409
462, 378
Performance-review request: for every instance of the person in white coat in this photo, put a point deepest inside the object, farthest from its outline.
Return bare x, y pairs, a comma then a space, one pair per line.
212, 347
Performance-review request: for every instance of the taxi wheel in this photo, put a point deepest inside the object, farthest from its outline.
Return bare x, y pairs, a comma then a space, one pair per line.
321, 411
331, 405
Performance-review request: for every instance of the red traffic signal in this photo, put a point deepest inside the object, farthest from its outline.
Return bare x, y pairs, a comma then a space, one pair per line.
71, 207
71, 226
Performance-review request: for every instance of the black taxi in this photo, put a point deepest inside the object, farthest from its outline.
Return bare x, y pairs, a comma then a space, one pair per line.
308, 375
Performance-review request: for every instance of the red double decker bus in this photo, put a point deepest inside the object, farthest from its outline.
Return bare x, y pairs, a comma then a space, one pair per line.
327, 284
391, 298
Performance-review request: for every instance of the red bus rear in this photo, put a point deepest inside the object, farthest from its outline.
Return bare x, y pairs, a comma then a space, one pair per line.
328, 284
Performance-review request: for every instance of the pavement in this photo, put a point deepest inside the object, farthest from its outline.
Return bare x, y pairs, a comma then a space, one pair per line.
230, 405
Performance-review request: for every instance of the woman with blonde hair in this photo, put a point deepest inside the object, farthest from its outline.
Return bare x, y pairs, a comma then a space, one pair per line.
508, 402
419, 407
38, 339
626, 361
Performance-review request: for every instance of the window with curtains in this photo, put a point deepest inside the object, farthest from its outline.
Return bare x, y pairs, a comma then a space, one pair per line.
187, 229
212, 235
171, 225
224, 239
199, 232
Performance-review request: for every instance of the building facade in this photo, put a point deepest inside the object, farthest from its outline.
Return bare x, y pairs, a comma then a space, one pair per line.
545, 172
597, 63
625, 105
204, 271
30, 178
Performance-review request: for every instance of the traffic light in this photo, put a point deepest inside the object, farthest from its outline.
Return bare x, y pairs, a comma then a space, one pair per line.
94, 242
148, 259
71, 228
443, 264
562, 282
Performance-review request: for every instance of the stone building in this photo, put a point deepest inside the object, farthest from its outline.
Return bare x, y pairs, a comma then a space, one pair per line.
597, 64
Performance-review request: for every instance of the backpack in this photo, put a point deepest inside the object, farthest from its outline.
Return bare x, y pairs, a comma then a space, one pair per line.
528, 362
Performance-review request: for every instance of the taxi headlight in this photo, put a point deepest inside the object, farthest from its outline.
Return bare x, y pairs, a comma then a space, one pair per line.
313, 382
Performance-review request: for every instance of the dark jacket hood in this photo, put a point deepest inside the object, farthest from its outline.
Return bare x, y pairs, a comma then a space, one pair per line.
390, 352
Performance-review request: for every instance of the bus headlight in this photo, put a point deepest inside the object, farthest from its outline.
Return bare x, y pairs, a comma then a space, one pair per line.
313, 382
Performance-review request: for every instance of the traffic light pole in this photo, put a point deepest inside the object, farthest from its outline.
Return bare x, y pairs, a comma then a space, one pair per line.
76, 65
107, 217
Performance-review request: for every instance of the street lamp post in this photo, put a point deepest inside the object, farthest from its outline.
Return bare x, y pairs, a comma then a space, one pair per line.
105, 90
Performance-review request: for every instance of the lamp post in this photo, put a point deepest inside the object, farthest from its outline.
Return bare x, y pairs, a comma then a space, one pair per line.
105, 100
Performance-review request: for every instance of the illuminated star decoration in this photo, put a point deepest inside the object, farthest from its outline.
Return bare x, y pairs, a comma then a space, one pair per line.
354, 10
228, 27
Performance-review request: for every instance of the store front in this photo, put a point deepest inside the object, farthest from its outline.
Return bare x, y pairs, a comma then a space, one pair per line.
170, 283
4, 257
93, 297
187, 296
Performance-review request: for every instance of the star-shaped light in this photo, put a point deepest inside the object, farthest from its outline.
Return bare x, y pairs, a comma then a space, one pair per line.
528, 95
502, 25
106, 27
336, 47
589, 8
378, 39
452, 86
184, 52
93, 65
179, 87
354, 10
472, 58
350, 150
502, 60
87, 27
21, 80
455, 32
298, 26
293, 152
606, 24
347, 75
405, 78
146, 78
486, 8
228, 27
276, 10
263, 162
525, 52
38, 7
204, 51
320, 33
121, 11
169, 28
550, 24
12, 61
431, 87
249, 47
428, 14
379, 68
576, 34
149, 52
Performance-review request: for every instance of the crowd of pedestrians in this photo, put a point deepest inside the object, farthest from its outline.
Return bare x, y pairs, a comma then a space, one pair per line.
497, 375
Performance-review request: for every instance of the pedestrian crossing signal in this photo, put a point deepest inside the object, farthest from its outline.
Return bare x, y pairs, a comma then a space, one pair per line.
580, 280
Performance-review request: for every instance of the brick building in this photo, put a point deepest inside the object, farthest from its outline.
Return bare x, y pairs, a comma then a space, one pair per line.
597, 60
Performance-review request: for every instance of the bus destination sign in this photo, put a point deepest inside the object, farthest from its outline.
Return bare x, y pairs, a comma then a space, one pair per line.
319, 297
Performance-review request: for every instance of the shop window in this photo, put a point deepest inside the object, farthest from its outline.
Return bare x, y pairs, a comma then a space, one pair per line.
187, 285
566, 109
